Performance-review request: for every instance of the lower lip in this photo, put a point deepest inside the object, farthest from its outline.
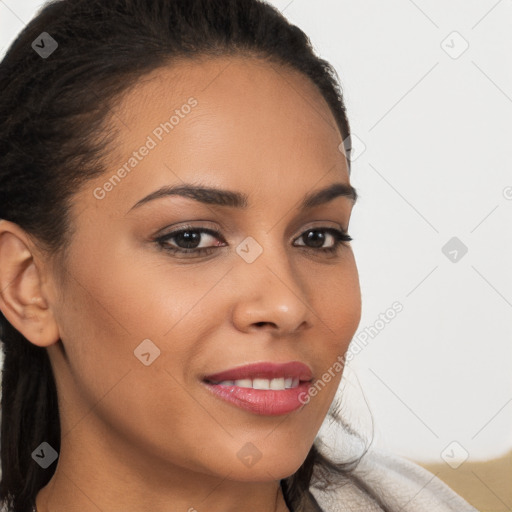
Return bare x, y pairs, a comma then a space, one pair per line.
268, 402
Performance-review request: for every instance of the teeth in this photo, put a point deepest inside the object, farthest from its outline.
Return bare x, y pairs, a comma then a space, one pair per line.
277, 384
260, 383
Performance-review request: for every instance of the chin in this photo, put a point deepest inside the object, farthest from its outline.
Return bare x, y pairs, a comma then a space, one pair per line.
269, 463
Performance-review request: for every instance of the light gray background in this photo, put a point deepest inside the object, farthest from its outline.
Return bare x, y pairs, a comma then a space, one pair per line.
432, 162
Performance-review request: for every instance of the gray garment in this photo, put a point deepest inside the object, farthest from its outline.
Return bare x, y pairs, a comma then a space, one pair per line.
400, 484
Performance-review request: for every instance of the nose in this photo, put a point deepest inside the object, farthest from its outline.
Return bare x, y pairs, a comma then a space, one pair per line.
270, 294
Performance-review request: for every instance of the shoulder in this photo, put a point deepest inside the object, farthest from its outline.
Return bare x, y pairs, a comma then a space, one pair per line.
400, 484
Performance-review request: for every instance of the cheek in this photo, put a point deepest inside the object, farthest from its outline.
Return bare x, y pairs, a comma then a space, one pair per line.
336, 299
105, 313
113, 304
108, 310
337, 306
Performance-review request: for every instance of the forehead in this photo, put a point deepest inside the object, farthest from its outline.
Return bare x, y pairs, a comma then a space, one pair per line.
231, 122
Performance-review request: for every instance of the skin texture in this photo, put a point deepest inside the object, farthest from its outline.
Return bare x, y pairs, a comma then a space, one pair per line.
152, 435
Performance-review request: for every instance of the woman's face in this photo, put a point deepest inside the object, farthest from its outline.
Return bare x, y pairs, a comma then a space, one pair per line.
143, 322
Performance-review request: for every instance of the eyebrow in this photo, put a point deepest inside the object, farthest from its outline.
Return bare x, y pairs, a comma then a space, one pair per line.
233, 199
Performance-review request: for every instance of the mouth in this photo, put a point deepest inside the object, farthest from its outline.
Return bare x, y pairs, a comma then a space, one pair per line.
276, 376
263, 388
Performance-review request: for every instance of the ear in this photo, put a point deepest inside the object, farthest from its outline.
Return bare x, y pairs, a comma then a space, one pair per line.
22, 294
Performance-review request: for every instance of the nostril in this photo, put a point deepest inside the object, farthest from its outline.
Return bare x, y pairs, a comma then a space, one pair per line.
260, 324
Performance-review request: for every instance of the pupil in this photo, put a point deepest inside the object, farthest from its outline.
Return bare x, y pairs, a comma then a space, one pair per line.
317, 237
189, 237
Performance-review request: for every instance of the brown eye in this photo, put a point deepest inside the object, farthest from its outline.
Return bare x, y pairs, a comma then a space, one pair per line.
187, 240
314, 240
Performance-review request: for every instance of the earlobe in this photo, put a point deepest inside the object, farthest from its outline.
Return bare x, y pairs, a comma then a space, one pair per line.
22, 301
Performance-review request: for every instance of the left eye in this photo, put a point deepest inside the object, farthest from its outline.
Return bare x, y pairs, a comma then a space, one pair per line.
191, 239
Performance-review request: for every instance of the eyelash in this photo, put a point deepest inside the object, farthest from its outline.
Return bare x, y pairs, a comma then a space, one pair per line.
340, 239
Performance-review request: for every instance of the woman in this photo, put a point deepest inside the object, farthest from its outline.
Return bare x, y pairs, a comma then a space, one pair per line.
175, 270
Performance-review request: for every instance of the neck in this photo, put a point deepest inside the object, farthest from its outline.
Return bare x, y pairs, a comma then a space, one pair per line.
67, 491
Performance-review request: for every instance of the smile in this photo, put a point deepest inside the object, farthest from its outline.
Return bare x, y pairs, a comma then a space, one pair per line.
269, 389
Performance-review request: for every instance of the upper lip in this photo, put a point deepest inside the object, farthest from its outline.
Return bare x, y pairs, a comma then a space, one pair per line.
264, 370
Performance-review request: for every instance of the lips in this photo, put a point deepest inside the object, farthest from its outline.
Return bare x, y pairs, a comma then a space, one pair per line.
292, 370
270, 389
